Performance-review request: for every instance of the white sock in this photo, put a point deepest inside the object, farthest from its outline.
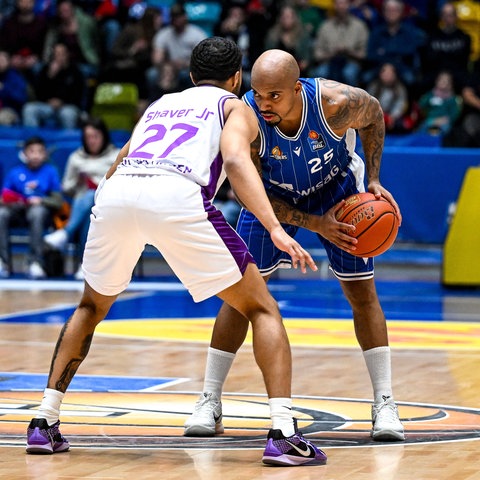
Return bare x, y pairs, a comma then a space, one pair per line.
50, 406
216, 370
379, 367
281, 414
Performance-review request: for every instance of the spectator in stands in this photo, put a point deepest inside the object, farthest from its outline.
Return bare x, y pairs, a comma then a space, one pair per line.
440, 107
22, 34
471, 100
166, 82
447, 48
233, 25
30, 196
392, 94
261, 15
79, 32
466, 132
174, 43
396, 41
366, 11
468, 12
288, 34
106, 14
85, 168
13, 92
132, 50
59, 91
311, 17
340, 46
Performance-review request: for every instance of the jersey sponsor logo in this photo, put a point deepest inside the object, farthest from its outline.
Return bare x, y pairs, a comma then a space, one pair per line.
277, 154
297, 151
316, 141
154, 163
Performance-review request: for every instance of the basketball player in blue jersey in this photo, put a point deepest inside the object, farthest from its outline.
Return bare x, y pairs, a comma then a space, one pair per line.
305, 155
159, 191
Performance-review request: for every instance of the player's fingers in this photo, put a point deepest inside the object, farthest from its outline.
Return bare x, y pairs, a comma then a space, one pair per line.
294, 257
347, 228
389, 197
303, 258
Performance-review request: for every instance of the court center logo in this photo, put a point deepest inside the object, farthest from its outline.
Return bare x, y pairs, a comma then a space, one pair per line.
147, 419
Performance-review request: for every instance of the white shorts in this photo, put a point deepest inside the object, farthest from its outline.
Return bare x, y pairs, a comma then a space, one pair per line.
170, 213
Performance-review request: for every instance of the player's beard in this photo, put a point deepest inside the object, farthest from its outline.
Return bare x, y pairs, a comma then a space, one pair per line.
274, 122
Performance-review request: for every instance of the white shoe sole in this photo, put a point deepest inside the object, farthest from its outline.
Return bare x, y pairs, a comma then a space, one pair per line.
203, 431
388, 435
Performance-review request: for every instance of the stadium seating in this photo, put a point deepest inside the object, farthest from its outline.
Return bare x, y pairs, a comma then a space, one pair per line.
116, 104
204, 14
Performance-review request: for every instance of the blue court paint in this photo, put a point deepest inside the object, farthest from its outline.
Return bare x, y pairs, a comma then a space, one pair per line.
297, 298
19, 381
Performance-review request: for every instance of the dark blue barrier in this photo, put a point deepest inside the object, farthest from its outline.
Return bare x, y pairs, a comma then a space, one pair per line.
425, 181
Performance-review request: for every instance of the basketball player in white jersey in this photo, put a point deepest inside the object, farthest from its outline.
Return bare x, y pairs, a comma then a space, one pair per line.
306, 156
159, 191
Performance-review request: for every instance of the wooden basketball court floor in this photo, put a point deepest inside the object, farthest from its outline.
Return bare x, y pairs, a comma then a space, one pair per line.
125, 410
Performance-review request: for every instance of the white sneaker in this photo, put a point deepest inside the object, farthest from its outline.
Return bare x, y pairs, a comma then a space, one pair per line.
79, 274
36, 271
206, 419
4, 271
57, 239
386, 425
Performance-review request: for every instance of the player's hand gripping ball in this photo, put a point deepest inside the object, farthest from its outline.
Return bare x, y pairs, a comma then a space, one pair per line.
375, 221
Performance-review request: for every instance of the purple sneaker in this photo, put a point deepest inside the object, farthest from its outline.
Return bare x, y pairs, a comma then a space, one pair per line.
291, 451
44, 439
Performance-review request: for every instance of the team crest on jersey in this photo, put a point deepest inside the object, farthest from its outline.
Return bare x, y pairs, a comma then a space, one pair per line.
277, 154
316, 141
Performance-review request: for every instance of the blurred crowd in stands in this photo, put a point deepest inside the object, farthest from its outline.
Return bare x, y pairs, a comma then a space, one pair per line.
419, 58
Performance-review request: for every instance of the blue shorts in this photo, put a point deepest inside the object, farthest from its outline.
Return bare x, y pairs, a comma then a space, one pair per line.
268, 257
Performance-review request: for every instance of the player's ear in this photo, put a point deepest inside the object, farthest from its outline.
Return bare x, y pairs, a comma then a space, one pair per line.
298, 87
192, 79
238, 79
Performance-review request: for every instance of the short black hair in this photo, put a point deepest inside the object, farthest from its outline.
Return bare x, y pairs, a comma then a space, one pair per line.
215, 58
35, 140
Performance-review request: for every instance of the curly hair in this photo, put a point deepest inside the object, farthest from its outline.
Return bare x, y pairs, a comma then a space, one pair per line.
215, 58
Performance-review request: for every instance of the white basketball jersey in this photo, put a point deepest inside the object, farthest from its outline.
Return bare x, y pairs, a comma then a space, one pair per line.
180, 133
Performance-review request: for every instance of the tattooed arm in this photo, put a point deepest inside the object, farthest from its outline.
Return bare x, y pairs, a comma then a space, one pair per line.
351, 107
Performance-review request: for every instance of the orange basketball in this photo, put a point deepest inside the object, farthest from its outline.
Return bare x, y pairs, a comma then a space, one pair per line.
375, 221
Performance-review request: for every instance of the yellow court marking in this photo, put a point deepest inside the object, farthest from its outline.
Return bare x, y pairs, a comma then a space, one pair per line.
307, 332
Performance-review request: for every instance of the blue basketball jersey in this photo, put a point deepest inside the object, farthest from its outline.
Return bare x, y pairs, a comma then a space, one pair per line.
314, 169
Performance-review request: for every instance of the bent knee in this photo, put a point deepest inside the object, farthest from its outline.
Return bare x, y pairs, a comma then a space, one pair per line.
267, 307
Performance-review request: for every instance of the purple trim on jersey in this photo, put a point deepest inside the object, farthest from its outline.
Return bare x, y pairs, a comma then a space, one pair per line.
230, 237
216, 167
232, 240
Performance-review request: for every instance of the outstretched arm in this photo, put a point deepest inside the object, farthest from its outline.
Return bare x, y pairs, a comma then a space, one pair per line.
239, 131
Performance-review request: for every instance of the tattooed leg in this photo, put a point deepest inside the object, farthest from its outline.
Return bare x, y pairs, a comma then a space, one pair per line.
76, 337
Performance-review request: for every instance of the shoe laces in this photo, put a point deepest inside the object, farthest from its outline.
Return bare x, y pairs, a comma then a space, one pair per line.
387, 408
206, 403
